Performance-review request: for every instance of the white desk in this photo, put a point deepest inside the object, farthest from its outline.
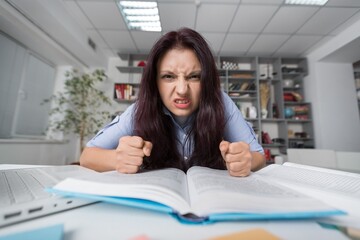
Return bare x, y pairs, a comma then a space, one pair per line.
107, 221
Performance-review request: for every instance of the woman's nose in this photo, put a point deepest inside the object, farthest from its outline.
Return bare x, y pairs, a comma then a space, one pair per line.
182, 86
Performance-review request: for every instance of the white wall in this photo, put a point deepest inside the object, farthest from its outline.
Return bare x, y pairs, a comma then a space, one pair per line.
56, 149
38, 152
331, 89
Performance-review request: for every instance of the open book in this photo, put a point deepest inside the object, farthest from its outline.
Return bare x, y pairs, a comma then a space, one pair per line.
201, 195
336, 188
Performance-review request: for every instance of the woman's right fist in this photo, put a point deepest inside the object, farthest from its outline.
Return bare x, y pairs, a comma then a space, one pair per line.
130, 153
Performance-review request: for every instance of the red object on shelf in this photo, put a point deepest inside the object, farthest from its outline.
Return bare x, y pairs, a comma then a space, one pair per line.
288, 97
301, 117
266, 138
267, 154
142, 64
292, 97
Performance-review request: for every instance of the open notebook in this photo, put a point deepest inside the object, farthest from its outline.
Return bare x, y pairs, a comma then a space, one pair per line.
23, 194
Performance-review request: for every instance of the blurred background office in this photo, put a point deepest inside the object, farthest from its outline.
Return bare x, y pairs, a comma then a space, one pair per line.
40, 40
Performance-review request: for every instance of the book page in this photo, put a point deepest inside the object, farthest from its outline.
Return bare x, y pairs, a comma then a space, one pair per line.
166, 186
336, 188
338, 182
215, 191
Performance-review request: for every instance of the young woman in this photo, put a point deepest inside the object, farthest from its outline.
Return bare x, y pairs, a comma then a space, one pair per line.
180, 119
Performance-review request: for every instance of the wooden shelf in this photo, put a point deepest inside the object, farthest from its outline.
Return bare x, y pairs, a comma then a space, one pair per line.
124, 100
296, 103
298, 120
273, 145
130, 69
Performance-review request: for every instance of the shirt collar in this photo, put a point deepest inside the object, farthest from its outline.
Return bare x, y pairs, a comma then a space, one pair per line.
187, 123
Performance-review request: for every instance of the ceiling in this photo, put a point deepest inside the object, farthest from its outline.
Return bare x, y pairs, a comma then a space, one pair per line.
232, 27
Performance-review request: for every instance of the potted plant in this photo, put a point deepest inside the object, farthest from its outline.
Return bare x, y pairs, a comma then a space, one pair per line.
78, 109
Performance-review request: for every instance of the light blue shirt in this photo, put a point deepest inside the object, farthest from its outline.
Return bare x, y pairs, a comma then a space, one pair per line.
236, 130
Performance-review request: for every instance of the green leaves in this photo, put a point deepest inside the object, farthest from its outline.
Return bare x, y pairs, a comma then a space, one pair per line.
78, 108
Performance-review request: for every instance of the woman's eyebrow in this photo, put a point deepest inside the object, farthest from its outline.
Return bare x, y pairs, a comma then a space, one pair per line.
171, 72
195, 71
166, 71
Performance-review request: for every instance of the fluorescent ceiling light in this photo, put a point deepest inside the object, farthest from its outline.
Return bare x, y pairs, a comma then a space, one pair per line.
136, 4
141, 11
153, 18
142, 16
147, 24
306, 2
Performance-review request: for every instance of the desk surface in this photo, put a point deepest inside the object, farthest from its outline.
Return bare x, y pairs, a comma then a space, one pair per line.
108, 221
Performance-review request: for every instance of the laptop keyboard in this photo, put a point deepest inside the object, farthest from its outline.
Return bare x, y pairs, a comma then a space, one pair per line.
26, 185
23, 196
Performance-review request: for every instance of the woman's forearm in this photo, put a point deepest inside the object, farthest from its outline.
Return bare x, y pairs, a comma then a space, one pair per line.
98, 159
258, 161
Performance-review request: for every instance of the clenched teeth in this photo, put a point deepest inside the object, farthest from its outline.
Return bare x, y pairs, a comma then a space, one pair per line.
181, 101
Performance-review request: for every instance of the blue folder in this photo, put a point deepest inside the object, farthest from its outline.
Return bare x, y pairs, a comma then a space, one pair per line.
212, 218
53, 232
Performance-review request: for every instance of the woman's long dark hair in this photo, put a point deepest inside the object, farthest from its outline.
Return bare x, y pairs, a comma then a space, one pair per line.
153, 125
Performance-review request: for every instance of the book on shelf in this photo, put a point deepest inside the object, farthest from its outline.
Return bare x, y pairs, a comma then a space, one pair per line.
124, 91
202, 195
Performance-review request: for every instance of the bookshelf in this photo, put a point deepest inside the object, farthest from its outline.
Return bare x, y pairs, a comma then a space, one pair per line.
268, 91
273, 86
126, 90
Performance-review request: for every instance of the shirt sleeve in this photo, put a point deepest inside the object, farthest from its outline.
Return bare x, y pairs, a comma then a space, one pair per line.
108, 137
236, 128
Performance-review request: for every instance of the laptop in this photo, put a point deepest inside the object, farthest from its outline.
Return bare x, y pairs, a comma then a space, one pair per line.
23, 196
